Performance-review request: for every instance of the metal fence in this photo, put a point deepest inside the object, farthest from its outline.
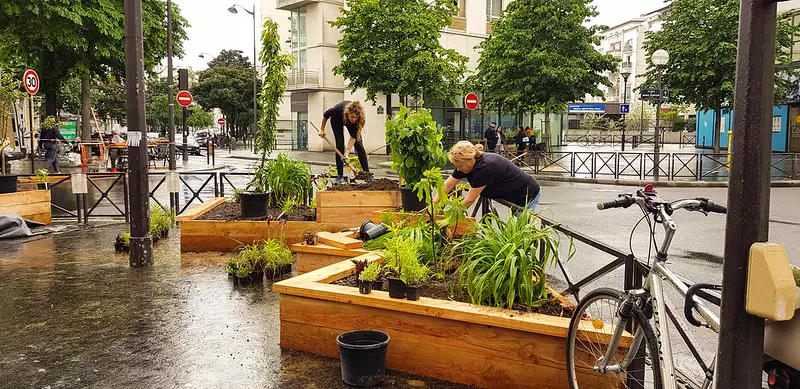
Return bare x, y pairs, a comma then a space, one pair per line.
602, 139
638, 165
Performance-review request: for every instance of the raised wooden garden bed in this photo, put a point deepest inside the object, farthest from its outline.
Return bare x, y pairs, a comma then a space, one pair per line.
463, 228
459, 342
309, 258
30, 204
227, 235
354, 207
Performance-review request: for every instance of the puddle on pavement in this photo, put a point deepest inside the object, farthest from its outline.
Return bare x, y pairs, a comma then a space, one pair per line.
73, 314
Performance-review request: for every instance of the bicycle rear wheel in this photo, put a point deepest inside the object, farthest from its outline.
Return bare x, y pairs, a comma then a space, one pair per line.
598, 310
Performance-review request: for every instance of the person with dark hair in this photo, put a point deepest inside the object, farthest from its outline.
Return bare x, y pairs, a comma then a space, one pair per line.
531, 139
491, 136
351, 115
49, 138
522, 143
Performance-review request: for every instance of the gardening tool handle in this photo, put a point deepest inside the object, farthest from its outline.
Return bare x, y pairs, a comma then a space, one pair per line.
352, 168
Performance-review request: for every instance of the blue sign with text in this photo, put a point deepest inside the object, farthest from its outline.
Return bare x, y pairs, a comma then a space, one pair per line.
586, 108
624, 108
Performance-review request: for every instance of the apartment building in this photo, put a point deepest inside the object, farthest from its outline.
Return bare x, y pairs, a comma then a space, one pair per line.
313, 87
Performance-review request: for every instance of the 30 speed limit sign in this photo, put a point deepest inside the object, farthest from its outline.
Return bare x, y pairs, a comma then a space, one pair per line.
31, 81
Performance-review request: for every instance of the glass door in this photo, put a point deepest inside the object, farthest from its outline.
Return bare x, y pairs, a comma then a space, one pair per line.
301, 131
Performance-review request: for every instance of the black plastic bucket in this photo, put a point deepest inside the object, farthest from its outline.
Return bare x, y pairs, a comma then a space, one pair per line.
8, 184
253, 204
363, 357
410, 201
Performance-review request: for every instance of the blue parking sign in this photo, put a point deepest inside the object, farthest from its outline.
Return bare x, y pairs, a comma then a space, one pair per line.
624, 108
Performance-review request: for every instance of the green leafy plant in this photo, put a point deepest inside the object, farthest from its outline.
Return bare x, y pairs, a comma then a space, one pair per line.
10, 92
235, 196
270, 254
126, 237
161, 219
399, 250
371, 272
42, 175
414, 273
288, 179
243, 268
504, 262
416, 144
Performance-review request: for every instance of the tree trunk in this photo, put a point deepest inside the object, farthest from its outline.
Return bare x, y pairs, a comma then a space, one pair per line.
717, 128
547, 128
86, 99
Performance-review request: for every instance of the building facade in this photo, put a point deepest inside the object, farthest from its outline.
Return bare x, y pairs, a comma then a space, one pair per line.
313, 87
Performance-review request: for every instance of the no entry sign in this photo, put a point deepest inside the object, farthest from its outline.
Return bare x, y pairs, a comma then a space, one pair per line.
221, 121
184, 98
31, 81
471, 101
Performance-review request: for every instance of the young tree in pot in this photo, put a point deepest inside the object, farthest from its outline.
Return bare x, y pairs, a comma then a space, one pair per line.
416, 144
10, 92
42, 178
368, 277
273, 80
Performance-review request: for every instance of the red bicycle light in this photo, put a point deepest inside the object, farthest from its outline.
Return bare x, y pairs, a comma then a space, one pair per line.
771, 379
649, 188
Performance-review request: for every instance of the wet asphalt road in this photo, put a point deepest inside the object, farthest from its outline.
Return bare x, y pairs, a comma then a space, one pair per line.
74, 315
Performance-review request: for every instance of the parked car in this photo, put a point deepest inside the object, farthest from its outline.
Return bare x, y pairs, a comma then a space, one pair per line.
203, 137
191, 143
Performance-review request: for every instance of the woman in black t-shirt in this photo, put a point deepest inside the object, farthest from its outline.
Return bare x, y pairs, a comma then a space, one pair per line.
351, 115
491, 176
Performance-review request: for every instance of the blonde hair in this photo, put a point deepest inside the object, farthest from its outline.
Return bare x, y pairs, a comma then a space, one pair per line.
358, 109
465, 151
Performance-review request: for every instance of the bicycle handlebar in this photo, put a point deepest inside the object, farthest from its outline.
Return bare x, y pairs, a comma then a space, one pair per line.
716, 208
623, 202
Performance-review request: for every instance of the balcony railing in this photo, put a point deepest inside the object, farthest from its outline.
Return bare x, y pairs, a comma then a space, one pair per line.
287, 5
303, 79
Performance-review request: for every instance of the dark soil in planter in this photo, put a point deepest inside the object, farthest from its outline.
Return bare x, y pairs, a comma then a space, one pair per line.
378, 184
231, 211
440, 290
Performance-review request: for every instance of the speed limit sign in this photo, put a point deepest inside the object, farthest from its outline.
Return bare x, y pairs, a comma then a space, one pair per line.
31, 81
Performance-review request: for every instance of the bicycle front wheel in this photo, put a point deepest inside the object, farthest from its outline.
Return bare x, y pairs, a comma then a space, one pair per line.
587, 342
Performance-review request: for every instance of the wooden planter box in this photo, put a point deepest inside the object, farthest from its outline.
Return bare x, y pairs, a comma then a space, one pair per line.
221, 235
309, 258
459, 342
463, 228
30, 204
354, 207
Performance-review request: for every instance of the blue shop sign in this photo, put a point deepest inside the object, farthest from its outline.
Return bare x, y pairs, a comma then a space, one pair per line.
585, 108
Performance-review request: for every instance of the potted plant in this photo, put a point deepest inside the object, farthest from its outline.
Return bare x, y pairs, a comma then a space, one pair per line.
415, 141
413, 274
368, 277
161, 220
243, 270
41, 178
123, 242
251, 254
274, 64
10, 92
400, 249
309, 237
277, 258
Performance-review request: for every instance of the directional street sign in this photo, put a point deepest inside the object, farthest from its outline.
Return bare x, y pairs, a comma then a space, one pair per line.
624, 108
654, 94
31, 81
471, 101
184, 98
221, 121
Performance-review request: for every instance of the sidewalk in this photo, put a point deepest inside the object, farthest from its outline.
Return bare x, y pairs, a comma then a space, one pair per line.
318, 158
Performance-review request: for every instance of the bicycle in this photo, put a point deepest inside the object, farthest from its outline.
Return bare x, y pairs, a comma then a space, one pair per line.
631, 311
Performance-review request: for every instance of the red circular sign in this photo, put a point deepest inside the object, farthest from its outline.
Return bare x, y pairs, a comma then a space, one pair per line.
221, 121
471, 101
31, 81
184, 98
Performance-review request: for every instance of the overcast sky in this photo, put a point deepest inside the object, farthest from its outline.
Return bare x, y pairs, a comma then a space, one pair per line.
214, 28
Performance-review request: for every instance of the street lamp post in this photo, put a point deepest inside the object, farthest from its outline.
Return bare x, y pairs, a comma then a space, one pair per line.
660, 58
173, 197
233, 9
626, 72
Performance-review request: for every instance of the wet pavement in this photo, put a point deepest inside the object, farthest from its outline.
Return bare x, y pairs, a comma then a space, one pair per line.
73, 314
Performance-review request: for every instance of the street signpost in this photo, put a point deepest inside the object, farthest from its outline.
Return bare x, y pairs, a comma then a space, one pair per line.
184, 98
471, 101
31, 81
624, 109
221, 122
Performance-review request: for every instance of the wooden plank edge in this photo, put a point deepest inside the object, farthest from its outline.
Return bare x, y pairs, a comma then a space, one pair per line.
200, 209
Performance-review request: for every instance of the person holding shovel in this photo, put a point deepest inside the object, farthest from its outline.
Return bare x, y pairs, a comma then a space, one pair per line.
348, 114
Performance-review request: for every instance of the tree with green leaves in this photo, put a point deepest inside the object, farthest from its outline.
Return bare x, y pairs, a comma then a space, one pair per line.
83, 38
540, 57
392, 46
228, 88
231, 59
701, 37
274, 64
199, 118
10, 92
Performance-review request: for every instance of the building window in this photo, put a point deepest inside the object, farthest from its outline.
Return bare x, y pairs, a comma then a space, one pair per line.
795, 49
299, 40
462, 7
494, 8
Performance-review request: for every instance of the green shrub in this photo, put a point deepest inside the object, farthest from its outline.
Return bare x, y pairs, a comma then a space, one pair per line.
415, 141
400, 249
288, 179
504, 262
414, 273
160, 219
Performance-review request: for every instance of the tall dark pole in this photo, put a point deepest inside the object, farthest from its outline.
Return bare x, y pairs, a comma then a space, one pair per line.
141, 242
170, 92
740, 354
657, 136
624, 101
255, 82
30, 124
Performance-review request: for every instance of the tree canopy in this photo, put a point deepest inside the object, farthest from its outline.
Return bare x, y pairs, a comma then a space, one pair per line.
701, 37
199, 117
392, 46
228, 88
540, 56
230, 59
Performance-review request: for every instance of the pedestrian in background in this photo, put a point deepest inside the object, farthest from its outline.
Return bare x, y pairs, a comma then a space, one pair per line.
531, 139
522, 143
491, 137
49, 138
501, 139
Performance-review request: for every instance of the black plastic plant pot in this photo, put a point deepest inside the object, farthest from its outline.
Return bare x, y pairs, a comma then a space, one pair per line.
243, 280
377, 285
8, 184
397, 288
41, 186
365, 287
257, 277
410, 201
412, 292
363, 357
253, 204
